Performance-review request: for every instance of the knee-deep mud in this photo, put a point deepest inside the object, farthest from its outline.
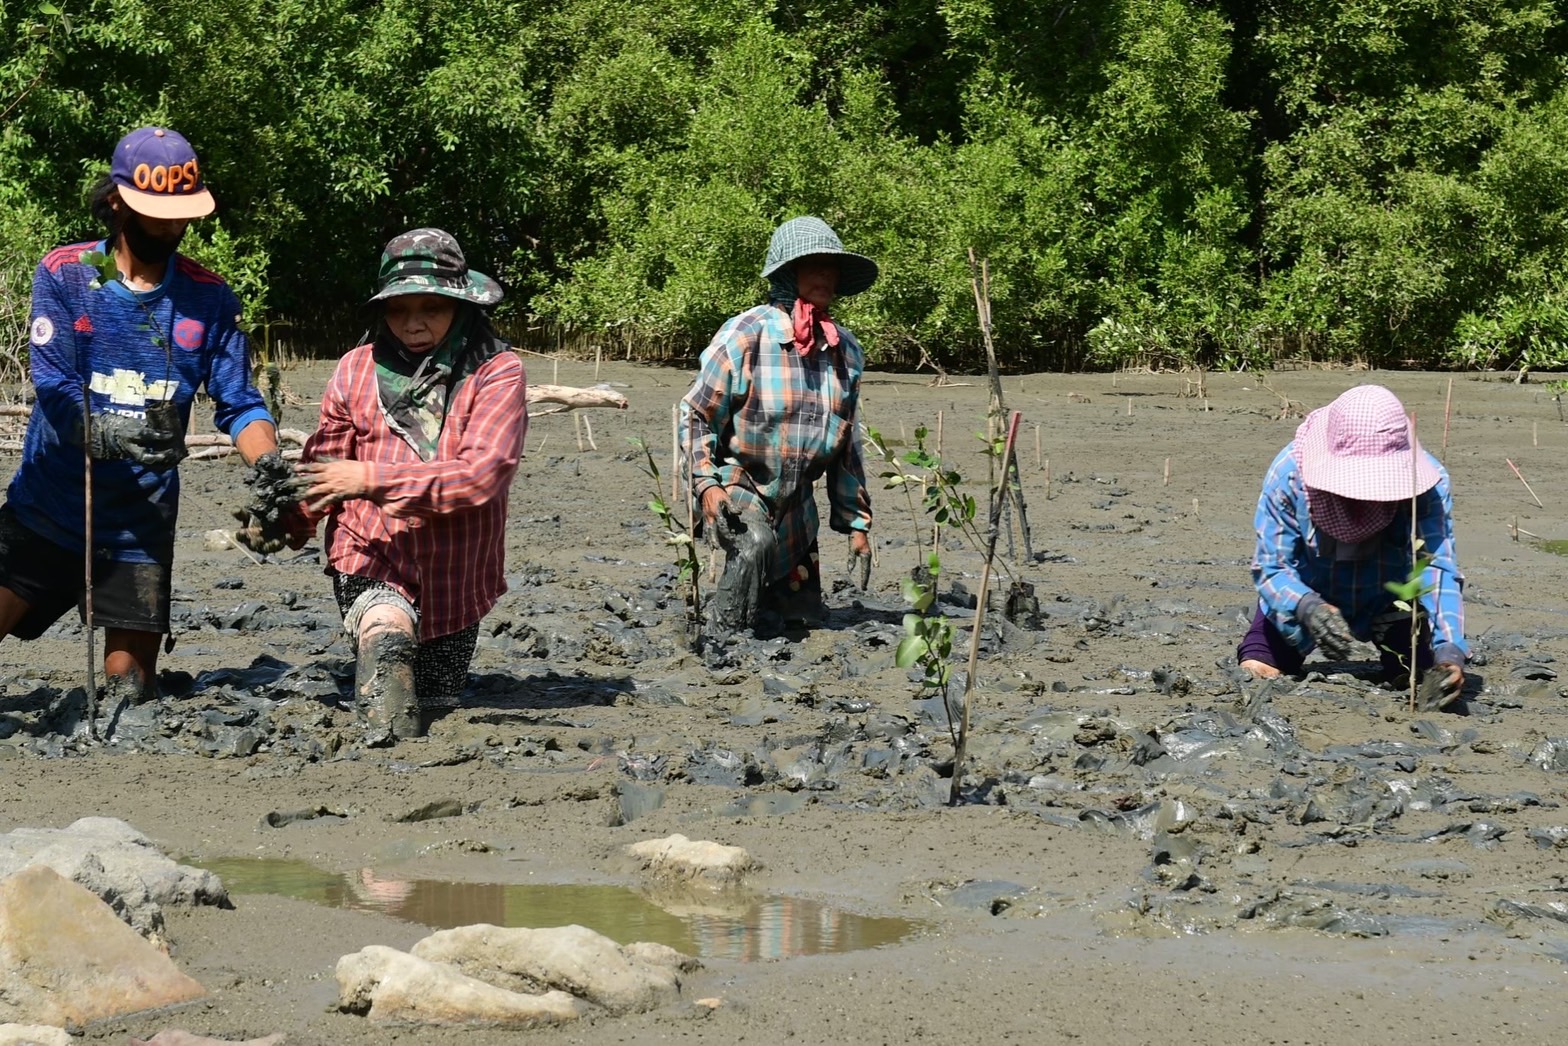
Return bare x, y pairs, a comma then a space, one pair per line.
1151, 848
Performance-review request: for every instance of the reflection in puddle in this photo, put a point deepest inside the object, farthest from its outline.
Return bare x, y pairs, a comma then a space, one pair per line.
719, 926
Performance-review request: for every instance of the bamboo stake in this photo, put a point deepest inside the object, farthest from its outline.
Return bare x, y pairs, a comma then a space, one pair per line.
1535, 433
87, 562
1448, 406
555, 373
939, 434
999, 499
1129, 406
1415, 604
675, 454
1048, 479
1167, 481
1524, 481
598, 358
1037, 448
588, 425
577, 423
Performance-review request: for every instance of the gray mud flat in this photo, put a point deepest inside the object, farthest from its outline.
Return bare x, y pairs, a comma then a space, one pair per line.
1150, 850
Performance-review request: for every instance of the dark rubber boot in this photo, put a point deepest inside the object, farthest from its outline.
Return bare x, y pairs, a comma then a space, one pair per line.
384, 688
749, 546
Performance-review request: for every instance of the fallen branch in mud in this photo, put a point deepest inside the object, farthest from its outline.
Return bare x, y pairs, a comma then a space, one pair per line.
571, 398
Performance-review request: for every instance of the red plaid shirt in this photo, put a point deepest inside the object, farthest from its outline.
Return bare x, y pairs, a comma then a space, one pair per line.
435, 531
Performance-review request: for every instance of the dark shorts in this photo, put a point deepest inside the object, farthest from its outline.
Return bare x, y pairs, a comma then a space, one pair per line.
50, 579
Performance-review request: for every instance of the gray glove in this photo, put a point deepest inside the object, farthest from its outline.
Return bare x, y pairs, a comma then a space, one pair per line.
272, 519
1329, 630
147, 441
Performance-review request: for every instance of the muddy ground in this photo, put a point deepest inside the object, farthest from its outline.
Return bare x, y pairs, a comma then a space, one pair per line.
1161, 853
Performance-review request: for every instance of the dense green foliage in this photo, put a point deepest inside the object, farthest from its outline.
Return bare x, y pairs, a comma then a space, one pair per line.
1153, 181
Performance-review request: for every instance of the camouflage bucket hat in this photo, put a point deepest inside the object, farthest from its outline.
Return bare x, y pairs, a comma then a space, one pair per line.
429, 261
801, 237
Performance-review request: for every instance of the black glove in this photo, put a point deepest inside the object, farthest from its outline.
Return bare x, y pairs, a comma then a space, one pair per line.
1440, 687
1328, 629
272, 519
151, 441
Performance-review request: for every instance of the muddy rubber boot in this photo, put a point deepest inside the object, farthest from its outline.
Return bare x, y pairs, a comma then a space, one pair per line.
384, 688
749, 545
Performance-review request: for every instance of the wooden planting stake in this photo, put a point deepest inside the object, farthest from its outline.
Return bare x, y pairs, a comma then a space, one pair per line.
675, 454
1415, 604
555, 372
588, 426
1167, 473
1048, 479
1037, 447
901, 437
1195, 509
598, 357
939, 434
999, 498
540, 448
1535, 433
577, 424
1524, 481
1448, 406
1129, 406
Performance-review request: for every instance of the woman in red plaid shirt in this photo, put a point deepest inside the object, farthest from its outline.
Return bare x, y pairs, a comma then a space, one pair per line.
420, 435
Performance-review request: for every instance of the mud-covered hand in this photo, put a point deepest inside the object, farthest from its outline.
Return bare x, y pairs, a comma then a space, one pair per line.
859, 567
1329, 630
1441, 686
272, 519
120, 437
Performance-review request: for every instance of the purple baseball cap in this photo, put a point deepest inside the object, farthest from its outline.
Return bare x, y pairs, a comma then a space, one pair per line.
159, 176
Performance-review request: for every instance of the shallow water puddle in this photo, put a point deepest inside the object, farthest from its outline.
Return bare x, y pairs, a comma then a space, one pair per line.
1556, 548
744, 928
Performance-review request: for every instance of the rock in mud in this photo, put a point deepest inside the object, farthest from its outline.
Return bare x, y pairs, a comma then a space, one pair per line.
431, 812
676, 858
34, 1035
118, 864
390, 986
573, 959
68, 959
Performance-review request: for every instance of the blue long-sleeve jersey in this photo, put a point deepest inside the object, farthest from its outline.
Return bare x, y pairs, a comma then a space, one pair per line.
128, 350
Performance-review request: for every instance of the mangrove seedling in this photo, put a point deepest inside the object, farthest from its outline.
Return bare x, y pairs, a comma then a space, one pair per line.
680, 536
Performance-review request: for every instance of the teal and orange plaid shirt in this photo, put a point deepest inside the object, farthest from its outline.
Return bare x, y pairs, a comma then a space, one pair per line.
765, 422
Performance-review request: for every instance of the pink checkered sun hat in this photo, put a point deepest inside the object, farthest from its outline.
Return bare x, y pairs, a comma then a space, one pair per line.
1359, 447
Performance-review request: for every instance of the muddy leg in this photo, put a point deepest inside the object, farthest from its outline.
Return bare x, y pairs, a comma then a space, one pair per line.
749, 545
384, 675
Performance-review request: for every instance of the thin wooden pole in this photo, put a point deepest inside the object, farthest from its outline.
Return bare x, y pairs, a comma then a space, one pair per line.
87, 562
1448, 406
1524, 481
598, 358
1000, 496
939, 434
675, 455
1167, 481
1415, 557
1037, 448
588, 425
577, 425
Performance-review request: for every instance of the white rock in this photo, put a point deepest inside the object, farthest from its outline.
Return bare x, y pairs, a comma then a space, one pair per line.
66, 958
118, 864
573, 959
677, 858
388, 985
33, 1035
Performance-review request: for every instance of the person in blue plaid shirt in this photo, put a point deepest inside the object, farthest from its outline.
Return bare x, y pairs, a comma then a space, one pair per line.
1333, 525
772, 411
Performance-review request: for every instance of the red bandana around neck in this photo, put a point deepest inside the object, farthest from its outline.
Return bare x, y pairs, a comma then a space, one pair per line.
807, 317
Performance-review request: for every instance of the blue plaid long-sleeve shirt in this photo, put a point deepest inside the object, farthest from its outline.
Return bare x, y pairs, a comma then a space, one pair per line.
765, 421
1294, 559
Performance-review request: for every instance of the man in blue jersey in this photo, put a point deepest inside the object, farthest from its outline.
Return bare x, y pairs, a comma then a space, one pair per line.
115, 365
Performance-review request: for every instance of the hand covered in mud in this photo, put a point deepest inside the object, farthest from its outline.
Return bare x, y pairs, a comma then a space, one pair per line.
272, 519
1441, 686
1329, 630
333, 482
859, 568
